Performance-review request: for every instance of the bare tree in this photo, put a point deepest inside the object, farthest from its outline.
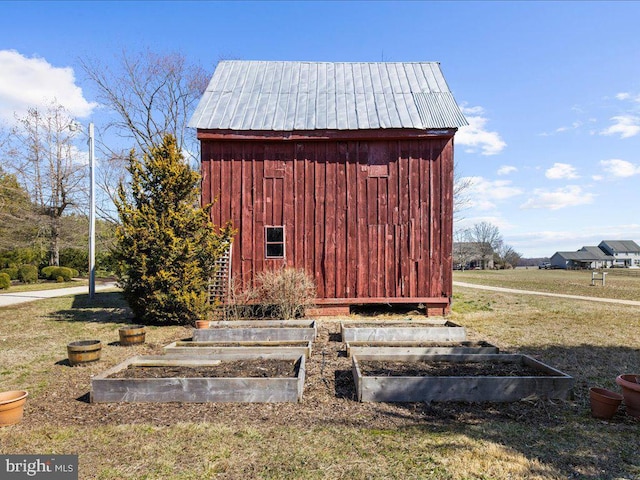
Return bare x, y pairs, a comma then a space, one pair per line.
509, 258
461, 187
151, 95
44, 160
488, 240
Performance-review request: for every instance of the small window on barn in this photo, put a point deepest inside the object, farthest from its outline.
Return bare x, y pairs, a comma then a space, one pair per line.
378, 160
274, 242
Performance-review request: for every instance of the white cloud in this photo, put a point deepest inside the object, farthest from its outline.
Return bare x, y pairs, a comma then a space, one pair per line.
560, 171
597, 178
569, 196
623, 96
507, 169
475, 136
483, 194
624, 125
620, 168
31, 82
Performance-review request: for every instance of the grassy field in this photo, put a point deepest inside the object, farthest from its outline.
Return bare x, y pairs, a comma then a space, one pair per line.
329, 435
573, 282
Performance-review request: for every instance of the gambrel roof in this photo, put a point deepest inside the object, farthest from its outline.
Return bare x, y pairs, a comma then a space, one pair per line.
289, 96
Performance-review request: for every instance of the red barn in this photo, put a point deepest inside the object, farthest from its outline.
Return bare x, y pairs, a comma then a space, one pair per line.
344, 170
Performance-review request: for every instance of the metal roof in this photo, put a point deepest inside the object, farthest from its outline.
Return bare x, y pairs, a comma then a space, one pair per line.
288, 96
622, 246
583, 256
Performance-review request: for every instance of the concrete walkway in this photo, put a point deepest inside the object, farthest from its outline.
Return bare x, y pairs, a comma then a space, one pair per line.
7, 299
547, 294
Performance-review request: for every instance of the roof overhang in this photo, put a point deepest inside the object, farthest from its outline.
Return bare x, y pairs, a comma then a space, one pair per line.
325, 135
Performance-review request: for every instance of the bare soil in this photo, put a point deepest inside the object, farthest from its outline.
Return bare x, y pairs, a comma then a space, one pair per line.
266, 368
376, 368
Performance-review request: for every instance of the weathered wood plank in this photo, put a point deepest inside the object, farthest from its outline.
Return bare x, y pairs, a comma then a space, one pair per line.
408, 349
398, 333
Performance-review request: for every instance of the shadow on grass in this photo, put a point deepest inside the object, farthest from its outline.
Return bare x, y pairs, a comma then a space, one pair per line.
560, 434
105, 307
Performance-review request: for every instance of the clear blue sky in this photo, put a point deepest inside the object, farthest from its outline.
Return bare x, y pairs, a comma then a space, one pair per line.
551, 89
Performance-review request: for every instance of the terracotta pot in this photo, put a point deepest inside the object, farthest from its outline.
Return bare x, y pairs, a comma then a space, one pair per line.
132, 335
604, 403
630, 392
12, 407
84, 351
202, 323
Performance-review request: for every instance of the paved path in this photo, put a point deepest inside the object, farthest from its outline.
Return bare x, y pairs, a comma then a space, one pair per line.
547, 294
7, 299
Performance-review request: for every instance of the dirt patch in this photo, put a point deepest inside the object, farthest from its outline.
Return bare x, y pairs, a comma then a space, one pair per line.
226, 369
378, 368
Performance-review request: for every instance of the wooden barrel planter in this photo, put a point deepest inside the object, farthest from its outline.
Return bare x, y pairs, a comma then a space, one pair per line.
84, 351
132, 335
12, 407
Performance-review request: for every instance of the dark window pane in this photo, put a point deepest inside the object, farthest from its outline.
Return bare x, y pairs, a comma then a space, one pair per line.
275, 234
275, 250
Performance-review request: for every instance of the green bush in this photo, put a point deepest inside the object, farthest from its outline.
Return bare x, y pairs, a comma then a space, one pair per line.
62, 272
46, 272
75, 258
11, 271
5, 281
53, 272
28, 274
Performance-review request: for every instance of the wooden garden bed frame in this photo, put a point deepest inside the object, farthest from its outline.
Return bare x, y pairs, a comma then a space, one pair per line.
258, 331
554, 385
196, 390
413, 331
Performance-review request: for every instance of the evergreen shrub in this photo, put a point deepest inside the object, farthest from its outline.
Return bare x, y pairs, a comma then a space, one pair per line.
28, 274
5, 281
166, 245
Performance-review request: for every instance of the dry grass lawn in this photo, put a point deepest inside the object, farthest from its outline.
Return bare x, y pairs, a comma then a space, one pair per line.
329, 435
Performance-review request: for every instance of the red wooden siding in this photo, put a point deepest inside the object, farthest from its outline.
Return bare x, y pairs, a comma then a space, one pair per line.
368, 219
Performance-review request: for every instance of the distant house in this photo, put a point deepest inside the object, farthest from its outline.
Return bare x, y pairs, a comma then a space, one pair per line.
609, 253
344, 170
472, 255
626, 253
585, 258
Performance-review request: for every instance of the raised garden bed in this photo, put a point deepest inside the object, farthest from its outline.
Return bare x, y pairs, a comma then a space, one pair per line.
413, 331
420, 348
456, 378
257, 331
239, 349
163, 378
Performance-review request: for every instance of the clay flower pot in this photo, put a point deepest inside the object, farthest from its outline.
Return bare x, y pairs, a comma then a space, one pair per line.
604, 403
202, 323
84, 351
631, 393
12, 407
132, 335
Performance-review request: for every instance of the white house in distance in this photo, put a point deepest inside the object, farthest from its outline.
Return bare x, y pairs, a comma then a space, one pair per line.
626, 253
608, 254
